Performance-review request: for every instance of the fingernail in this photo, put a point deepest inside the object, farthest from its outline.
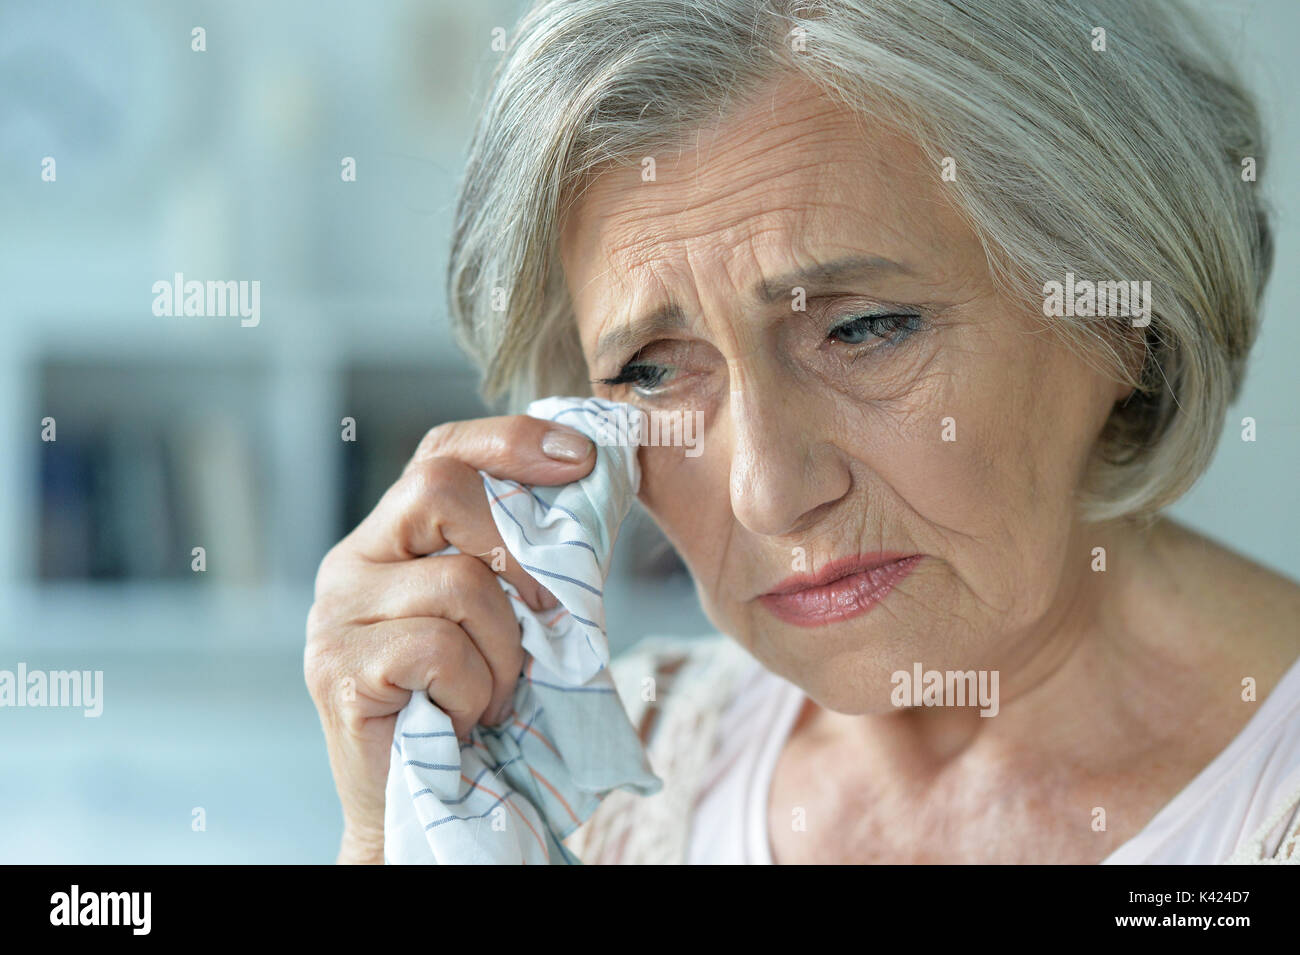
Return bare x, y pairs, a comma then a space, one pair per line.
548, 599
502, 714
565, 445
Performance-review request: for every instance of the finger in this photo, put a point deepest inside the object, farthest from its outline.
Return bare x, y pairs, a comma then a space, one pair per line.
512, 447
438, 503
458, 588
521, 448
433, 656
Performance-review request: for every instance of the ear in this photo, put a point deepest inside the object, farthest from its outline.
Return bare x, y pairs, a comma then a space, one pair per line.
1132, 347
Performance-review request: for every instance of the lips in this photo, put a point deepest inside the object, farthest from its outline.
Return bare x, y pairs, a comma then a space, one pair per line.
843, 589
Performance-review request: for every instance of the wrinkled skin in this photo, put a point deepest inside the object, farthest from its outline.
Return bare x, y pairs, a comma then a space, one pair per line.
820, 445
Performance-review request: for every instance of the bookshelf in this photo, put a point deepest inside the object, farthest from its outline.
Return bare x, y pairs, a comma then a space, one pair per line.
177, 432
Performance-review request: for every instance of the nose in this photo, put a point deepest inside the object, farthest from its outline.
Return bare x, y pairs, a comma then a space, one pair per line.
783, 469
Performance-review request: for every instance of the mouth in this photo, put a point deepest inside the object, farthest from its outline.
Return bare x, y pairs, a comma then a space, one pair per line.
843, 589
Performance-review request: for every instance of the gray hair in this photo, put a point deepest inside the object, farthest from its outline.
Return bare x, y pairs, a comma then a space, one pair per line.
1119, 164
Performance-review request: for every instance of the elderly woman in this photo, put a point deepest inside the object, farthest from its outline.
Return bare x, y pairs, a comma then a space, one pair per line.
961, 294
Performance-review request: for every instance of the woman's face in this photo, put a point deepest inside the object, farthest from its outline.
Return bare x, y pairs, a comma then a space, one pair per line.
898, 412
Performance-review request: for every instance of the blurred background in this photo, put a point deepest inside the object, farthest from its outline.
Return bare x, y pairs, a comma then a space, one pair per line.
173, 433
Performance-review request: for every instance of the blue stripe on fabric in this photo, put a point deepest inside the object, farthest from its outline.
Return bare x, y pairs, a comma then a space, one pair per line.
587, 635
455, 818
506, 511
555, 576
553, 507
471, 790
572, 689
416, 762
579, 410
527, 726
508, 731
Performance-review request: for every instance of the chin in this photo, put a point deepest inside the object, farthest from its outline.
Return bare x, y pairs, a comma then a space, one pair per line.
845, 667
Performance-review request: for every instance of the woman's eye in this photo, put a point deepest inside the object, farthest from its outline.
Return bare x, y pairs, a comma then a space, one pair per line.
646, 378
641, 376
891, 328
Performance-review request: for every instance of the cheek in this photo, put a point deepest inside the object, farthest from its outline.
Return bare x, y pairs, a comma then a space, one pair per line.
988, 465
687, 496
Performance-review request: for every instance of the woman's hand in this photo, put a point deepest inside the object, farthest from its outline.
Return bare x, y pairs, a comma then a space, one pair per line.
388, 620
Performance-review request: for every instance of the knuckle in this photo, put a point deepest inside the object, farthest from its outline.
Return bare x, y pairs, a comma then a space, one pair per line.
325, 604
434, 479
463, 575
474, 587
326, 572
316, 615
448, 657
515, 432
435, 439
319, 667
455, 675
433, 490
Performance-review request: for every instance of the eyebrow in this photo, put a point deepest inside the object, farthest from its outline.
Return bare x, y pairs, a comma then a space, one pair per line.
817, 280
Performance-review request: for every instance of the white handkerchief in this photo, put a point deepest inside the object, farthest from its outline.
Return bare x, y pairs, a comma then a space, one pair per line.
513, 792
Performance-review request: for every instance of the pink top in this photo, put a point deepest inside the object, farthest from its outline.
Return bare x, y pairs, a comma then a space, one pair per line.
1205, 823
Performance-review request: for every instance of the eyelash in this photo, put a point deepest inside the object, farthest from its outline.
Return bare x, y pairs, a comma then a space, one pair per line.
892, 328
903, 326
634, 373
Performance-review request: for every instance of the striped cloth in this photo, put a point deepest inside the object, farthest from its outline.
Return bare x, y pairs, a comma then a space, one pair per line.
513, 792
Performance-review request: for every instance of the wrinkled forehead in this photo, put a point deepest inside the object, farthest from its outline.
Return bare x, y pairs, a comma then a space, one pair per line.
784, 151
790, 179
